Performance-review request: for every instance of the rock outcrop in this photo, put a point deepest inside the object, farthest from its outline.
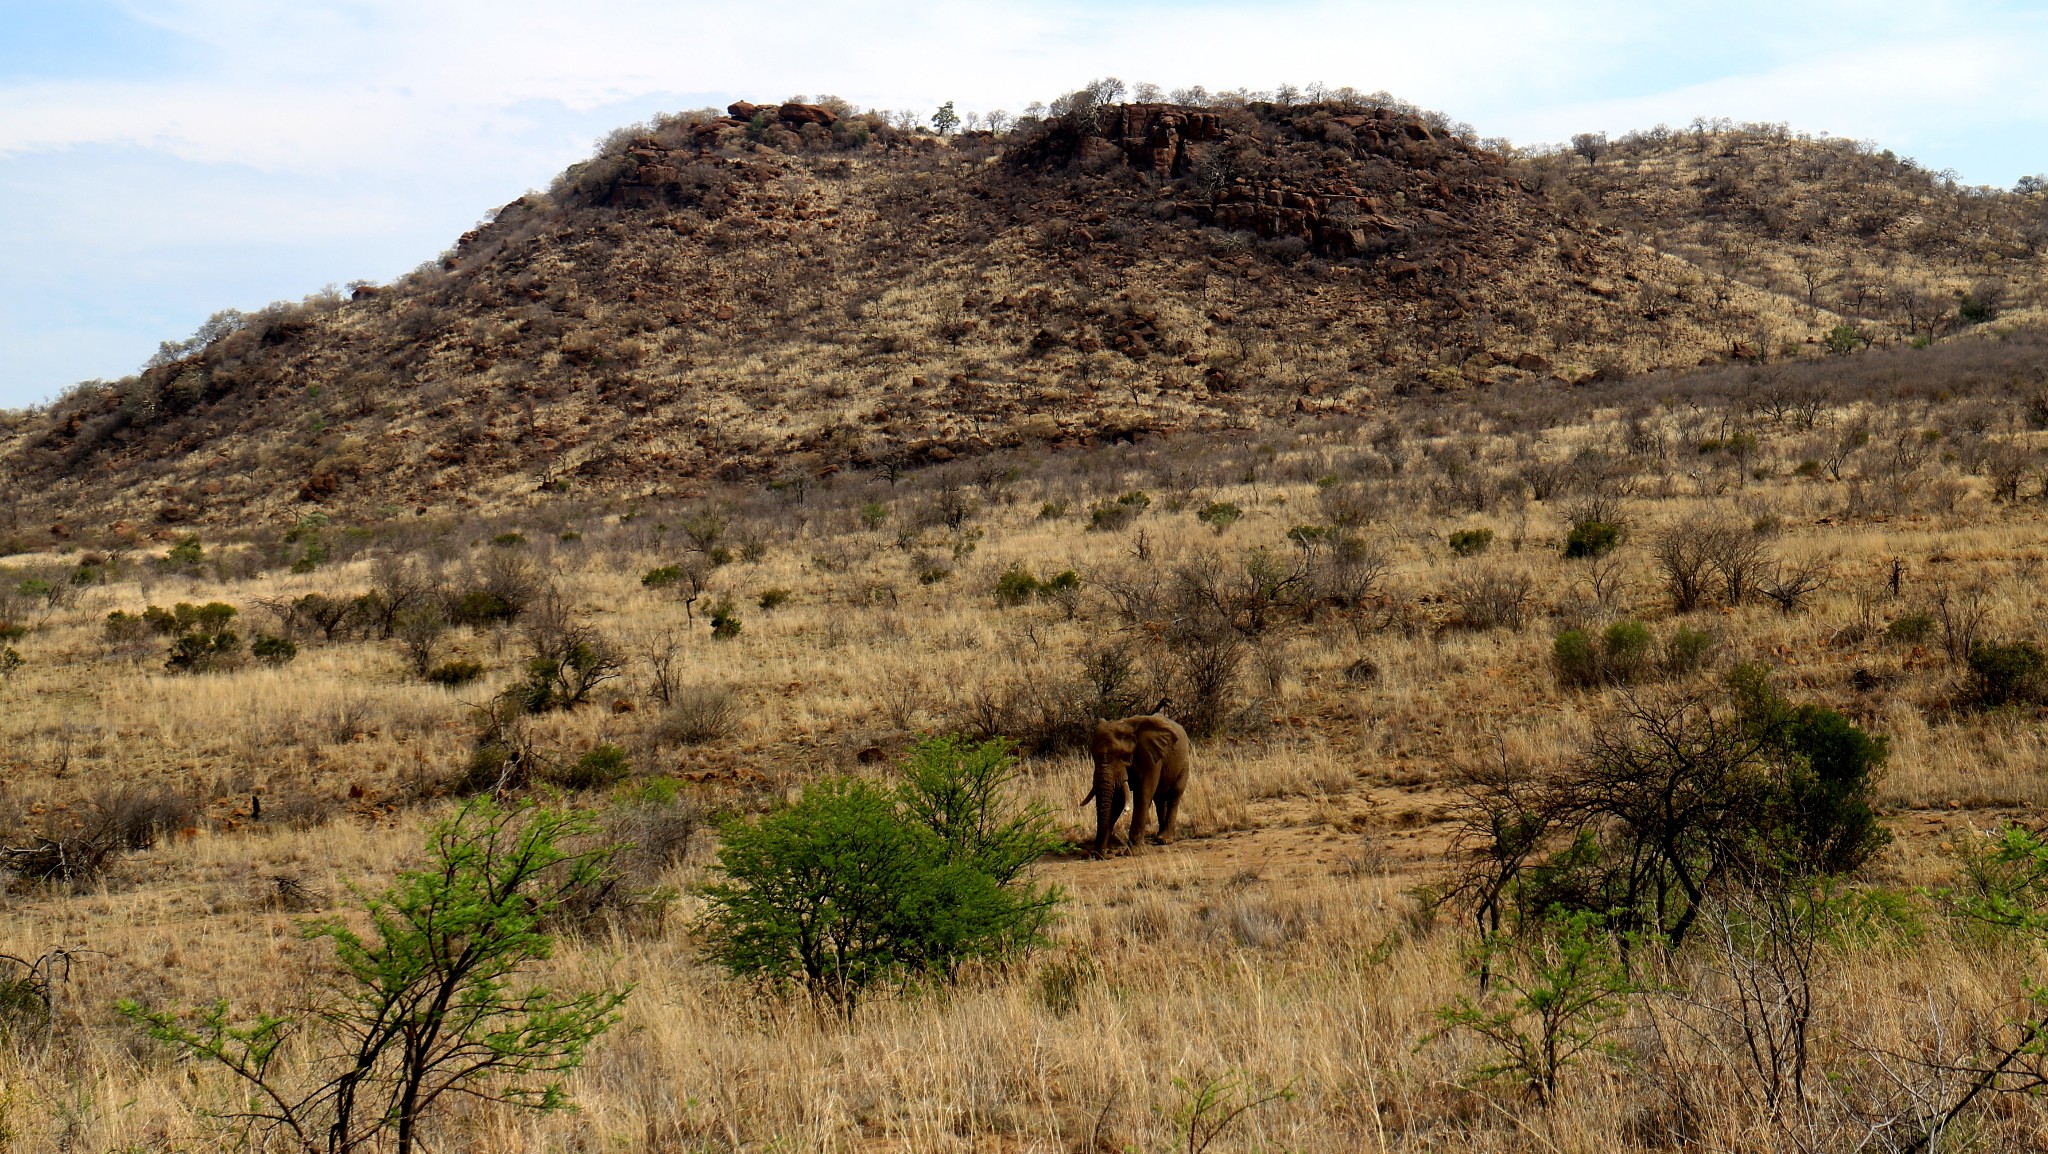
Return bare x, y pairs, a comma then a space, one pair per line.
1316, 173
1157, 137
791, 114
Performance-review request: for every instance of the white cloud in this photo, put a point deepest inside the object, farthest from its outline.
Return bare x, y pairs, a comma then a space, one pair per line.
342, 138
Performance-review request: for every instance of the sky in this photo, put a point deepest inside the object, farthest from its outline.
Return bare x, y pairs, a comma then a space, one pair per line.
163, 159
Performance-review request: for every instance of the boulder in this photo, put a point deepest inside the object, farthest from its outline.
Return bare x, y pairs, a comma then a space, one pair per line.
797, 114
741, 110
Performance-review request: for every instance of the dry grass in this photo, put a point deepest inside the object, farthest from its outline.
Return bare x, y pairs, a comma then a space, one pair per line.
1277, 942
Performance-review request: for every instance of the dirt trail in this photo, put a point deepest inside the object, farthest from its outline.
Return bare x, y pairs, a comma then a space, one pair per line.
1375, 830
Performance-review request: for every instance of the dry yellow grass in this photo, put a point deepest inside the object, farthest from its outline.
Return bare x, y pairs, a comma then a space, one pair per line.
1279, 943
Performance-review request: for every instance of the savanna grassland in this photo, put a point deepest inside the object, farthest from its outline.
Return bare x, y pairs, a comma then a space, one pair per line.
1365, 619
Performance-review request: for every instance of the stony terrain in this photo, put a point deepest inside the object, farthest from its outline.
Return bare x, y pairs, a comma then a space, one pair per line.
793, 289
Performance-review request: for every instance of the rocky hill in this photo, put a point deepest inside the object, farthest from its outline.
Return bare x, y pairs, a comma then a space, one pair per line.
787, 290
1837, 224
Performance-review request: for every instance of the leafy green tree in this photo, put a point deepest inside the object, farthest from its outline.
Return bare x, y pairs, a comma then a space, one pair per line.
186, 554
204, 642
1842, 339
945, 119
430, 1003
958, 790
854, 885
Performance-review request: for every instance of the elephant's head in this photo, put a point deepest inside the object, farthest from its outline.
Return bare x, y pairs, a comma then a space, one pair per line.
1112, 745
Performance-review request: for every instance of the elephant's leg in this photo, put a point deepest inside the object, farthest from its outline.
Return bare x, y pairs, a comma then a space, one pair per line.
1169, 808
1141, 810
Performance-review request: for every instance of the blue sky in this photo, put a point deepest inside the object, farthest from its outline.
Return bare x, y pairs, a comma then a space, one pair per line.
161, 159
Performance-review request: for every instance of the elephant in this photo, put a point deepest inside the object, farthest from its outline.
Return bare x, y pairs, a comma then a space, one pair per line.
1148, 755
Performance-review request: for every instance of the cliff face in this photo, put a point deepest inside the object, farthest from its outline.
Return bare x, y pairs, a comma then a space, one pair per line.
789, 289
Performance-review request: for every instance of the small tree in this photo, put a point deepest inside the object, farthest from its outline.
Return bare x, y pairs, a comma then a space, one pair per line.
431, 1003
203, 641
854, 885
1672, 808
945, 119
1555, 997
419, 631
570, 659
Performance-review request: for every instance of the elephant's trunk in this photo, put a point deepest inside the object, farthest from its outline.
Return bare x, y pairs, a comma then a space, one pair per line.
1105, 816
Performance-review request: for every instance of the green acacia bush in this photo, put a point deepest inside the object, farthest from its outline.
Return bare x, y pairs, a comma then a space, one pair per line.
1554, 998
1910, 628
605, 765
1673, 804
273, 651
2007, 673
1015, 586
455, 673
1619, 655
725, 619
1686, 651
1468, 542
1219, 515
479, 607
1591, 539
856, 884
1109, 516
432, 1004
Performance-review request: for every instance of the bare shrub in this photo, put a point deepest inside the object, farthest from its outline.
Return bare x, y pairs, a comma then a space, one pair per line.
1961, 614
1791, 585
663, 665
135, 818
1491, 598
1740, 558
1351, 504
901, 699
2007, 466
698, 715
1684, 555
117, 821
397, 584
419, 630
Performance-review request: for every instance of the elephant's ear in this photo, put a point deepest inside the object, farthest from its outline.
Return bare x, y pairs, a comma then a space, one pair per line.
1157, 743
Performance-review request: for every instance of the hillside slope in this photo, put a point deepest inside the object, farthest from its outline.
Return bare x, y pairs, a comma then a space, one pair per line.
1825, 222
788, 290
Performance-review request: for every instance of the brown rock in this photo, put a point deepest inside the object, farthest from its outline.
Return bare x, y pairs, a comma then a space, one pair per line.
742, 110
806, 114
1531, 362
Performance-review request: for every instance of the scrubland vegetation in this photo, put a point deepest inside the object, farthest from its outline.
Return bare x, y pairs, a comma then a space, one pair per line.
714, 297
1638, 765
